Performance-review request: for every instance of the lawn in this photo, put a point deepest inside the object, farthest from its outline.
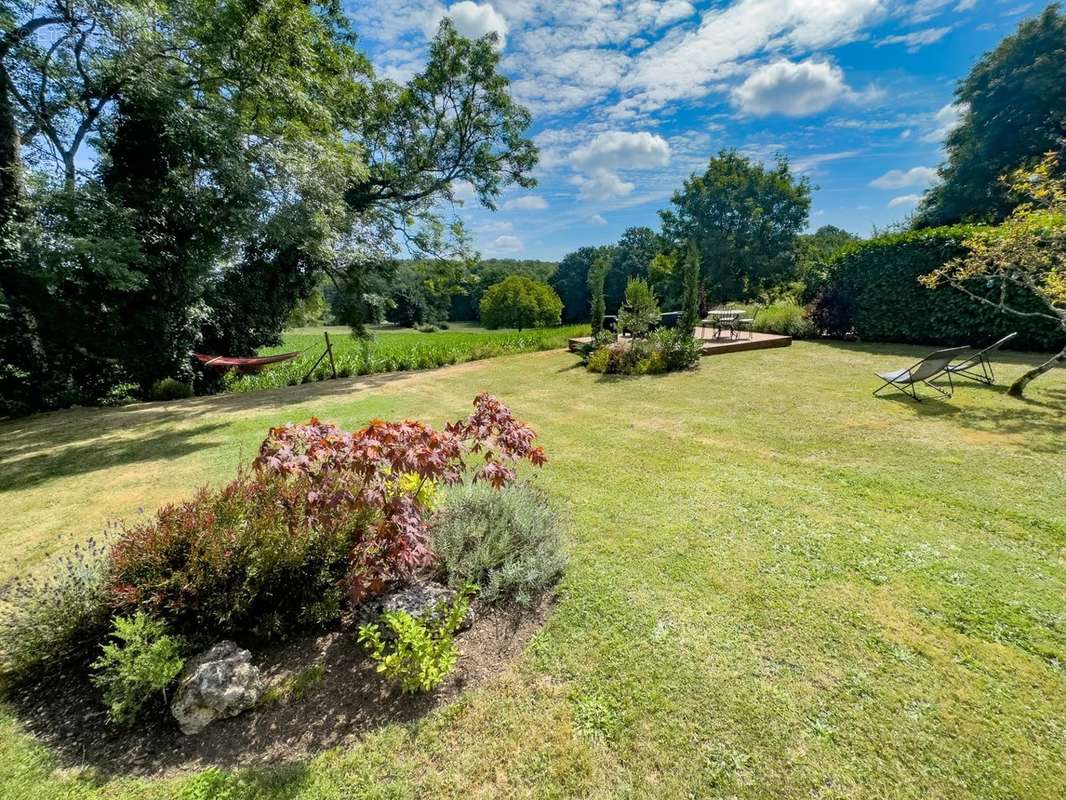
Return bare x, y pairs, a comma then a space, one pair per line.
780, 586
392, 349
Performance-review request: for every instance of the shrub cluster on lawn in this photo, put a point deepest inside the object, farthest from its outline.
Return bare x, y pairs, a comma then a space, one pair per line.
322, 520
507, 542
661, 351
786, 318
873, 290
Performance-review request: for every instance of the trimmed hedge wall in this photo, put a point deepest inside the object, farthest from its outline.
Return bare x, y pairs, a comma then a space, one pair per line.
873, 288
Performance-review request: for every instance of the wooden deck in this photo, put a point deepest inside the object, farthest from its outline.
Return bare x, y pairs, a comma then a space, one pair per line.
713, 347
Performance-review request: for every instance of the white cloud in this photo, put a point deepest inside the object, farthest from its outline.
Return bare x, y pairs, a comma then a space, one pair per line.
792, 89
904, 200
507, 244
945, 121
602, 184
475, 20
672, 11
597, 219
915, 40
898, 179
808, 165
528, 202
464, 191
695, 63
966, 5
622, 149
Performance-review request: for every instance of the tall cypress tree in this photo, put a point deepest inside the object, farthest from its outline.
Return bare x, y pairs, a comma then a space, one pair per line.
690, 296
599, 307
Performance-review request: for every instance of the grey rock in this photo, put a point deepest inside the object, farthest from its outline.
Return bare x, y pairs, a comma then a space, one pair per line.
220, 682
420, 599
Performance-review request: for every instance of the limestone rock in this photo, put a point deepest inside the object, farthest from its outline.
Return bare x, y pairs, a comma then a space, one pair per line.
220, 682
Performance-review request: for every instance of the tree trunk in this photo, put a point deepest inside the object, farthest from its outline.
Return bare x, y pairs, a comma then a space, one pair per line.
1018, 387
10, 157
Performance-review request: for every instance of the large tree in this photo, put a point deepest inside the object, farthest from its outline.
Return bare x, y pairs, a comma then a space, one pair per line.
1013, 106
743, 218
255, 151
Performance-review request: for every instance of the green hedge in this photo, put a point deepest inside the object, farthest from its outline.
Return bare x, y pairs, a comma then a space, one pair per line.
873, 288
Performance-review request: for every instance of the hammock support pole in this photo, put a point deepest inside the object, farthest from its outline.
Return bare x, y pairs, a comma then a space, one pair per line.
327, 352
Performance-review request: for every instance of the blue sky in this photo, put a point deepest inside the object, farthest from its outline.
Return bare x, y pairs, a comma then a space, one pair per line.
629, 98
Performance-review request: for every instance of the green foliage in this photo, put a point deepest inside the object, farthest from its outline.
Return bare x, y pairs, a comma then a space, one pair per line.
662, 351
140, 663
596, 275
1015, 112
508, 542
630, 258
690, 297
678, 348
294, 687
814, 251
50, 621
481, 274
519, 302
572, 281
743, 218
786, 318
397, 352
170, 389
640, 313
873, 287
417, 654
312, 310
250, 558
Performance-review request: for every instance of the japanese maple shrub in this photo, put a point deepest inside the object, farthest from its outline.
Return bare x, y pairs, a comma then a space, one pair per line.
324, 518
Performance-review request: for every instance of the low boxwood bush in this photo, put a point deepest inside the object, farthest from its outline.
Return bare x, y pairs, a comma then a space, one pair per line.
139, 664
417, 654
49, 621
507, 542
873, 291
786, 319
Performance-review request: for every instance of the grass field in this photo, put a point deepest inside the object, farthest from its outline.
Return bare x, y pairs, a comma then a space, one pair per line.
391, 349
780, 586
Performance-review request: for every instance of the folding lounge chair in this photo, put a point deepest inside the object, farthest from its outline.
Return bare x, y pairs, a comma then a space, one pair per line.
979, 365
934, 364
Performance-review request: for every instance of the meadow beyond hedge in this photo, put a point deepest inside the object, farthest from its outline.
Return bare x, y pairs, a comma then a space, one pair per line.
874, 287
399, 351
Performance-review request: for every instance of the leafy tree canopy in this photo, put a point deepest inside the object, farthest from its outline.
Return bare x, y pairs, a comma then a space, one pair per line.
1014, 102
520, 302
743, 218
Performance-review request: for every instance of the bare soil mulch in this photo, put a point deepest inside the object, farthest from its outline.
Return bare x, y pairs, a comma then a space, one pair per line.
347, 701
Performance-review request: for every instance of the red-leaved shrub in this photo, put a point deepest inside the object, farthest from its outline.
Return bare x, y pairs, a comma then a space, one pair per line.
323, 514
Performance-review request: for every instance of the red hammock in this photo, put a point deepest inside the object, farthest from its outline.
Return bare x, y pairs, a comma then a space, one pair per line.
244, 366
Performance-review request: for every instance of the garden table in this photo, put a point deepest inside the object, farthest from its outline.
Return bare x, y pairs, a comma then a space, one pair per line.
724, 319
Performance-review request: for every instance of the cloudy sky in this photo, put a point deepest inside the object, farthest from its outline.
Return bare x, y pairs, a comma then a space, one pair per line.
631, 97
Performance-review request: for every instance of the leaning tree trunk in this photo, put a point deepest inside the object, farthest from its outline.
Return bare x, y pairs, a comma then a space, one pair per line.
1018, 387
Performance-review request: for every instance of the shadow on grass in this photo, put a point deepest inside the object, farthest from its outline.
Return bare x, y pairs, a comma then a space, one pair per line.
80, 440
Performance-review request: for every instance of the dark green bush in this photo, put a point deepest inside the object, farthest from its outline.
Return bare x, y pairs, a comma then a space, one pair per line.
170, 389
873, 290
519, 302
507, 541
48, 622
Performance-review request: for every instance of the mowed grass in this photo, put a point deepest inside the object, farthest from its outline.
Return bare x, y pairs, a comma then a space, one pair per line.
391, 349
780, 586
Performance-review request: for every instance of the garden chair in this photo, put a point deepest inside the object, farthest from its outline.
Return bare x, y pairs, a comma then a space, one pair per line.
969, 366
924, 371
746, 323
